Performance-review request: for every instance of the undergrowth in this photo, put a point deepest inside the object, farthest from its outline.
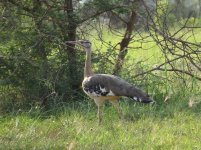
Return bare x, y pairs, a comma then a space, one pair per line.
167, 125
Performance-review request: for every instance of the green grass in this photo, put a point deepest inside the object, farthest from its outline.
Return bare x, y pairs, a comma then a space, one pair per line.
170, 125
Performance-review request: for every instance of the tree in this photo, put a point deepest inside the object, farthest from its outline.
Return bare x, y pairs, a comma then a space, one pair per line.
37, 61
37, 64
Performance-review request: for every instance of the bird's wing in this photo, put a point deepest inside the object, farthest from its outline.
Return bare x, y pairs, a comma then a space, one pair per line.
110, 85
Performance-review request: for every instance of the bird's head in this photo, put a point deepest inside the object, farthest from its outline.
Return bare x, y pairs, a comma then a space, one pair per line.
85, 44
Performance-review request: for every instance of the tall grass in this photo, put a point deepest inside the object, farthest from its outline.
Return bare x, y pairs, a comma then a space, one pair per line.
170, 125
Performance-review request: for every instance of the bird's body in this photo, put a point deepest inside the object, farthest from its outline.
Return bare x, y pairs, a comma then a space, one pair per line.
101, 87
111, 87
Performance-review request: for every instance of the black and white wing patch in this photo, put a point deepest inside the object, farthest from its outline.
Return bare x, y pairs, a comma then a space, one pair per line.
97, 90
138, 99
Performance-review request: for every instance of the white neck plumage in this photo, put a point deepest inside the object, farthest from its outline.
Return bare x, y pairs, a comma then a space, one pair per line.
88, 69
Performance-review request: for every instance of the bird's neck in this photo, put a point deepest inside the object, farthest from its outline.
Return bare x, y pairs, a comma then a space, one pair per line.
87, 69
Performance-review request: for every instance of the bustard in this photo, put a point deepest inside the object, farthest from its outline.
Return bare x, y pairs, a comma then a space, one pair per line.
102, 87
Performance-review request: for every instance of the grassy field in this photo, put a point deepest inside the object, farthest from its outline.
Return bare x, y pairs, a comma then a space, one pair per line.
171, 125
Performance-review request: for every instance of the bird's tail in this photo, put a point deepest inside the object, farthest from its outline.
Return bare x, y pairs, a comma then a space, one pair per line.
140, 96
147, 100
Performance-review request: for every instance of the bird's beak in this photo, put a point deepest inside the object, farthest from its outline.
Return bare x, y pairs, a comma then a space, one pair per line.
74, 42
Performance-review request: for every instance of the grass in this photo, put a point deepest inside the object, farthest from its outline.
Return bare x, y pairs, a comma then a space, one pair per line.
74, 125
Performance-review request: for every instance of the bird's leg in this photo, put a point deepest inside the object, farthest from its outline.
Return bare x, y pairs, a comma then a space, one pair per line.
99, 102
99, 114
117, 107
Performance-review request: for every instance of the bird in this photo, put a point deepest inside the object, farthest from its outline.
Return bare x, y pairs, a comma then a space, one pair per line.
103, 87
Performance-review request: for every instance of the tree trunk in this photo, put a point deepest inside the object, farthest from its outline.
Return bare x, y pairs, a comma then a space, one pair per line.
42, 54
124, 43
74, 78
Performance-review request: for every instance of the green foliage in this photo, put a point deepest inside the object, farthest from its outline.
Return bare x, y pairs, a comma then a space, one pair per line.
35, 65
103, 61
33, 61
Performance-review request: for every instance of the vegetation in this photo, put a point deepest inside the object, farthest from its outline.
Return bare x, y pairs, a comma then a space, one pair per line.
171, 125
42, 105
